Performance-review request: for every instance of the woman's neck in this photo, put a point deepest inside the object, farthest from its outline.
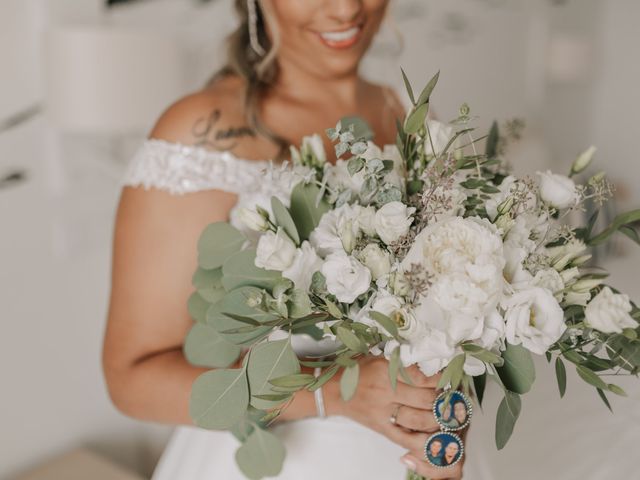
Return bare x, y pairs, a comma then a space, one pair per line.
302, 86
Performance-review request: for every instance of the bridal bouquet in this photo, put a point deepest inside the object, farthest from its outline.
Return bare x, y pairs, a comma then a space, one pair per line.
427, 252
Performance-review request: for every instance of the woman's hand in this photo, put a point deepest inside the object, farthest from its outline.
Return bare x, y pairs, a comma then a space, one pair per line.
375, 402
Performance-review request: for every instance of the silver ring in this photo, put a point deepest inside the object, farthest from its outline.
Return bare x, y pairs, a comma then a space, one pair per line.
394, 416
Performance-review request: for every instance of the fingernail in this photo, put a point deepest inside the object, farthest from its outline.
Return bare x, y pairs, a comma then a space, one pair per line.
409, 463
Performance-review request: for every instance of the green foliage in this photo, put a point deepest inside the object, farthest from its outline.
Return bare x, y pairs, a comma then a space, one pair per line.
307, 208
621, 221
349, 382
284, 220
219, 398
268, 361
518, 372
198, 307
208, 283
240, 271
205, 347
261, 455
561, 375
217, 243
479, 385
508, 413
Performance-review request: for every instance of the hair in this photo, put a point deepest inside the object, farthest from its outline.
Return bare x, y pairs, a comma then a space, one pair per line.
258, 72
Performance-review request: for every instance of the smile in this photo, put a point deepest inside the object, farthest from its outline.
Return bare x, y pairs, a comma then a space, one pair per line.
341, 39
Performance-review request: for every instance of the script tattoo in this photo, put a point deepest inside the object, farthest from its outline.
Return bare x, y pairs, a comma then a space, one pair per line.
207, 135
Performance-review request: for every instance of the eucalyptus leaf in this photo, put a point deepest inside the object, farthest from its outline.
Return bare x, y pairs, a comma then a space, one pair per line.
327, 375
349, 382
236, 302
209, 284
590, 377
416, 119
508, 413
361, 129
479, 385
621, 220
394, 364
617, 390
386, 323
518, 372
268, 361
407, 85
217, 243
351, 340
296, 380
425, 95
205, 347
561, 375
261, 455
240, 271
284, 220
604, 398
299, 304
306, 211
198, 307
492, 141
219, 398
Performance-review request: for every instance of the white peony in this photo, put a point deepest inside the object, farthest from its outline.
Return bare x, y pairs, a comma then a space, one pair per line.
440, 133
393, 220
346, 277
432, 352
534, 319
305, 263
327, 236
608, 312
275, 251
557, 190
376, 260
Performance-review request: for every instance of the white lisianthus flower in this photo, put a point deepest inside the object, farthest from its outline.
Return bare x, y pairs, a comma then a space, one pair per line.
534, 319
393, 307
366, 220
608, 312
338, 177
577, 298
253, 220
327, 236
346, 277
440, 134
563, 255
376, 260
305, 263
393, 221
276, 251
557, 190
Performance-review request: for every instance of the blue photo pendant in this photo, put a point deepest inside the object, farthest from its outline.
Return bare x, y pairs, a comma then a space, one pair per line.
455, 414
443, 449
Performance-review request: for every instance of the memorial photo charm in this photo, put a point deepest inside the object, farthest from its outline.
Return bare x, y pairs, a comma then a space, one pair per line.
443, 449
455, 414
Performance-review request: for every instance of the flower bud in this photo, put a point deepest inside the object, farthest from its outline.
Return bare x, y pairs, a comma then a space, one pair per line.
347, 236
583, 160
253, 220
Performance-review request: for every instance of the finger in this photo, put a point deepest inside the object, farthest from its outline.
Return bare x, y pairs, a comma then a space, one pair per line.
426, 470
416, 419
415, 396
412, 441
419, 379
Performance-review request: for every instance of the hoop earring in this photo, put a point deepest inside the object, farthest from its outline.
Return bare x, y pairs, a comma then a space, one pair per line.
252, 11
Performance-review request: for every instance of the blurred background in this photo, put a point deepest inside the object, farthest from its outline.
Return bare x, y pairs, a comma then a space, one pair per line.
82, 83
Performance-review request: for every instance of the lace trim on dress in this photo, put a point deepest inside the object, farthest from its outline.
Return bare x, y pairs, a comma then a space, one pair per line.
180, 169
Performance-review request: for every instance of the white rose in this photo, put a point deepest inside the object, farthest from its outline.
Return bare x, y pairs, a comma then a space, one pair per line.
376, 260
608, 312
253, 220
551, 280
327, 236
534, 319
275, 251
305, 263
440, 133
432, 352
393, 221
366, 220
346, 277
558, 191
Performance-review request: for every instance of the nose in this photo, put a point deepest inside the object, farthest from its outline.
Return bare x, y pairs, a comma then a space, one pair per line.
345, 11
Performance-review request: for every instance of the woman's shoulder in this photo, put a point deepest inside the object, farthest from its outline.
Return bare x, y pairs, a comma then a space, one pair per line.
197, 144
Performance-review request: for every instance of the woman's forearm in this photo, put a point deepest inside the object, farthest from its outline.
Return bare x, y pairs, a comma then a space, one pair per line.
158, 388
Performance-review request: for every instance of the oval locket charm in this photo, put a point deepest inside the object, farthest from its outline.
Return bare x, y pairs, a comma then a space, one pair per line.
455, 414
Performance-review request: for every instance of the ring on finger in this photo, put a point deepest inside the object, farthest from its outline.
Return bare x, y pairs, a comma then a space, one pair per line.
394, 415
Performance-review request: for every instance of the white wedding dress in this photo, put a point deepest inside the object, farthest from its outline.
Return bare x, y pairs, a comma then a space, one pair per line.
573, 439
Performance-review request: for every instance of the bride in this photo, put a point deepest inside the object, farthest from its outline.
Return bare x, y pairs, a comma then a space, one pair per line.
292, 70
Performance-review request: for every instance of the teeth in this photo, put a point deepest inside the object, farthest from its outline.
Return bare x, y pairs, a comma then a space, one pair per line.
340, 36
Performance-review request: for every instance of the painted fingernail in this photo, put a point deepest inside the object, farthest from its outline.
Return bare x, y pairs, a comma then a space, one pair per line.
409, 463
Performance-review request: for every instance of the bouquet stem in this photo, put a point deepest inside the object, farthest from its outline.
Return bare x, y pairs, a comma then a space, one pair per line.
414, 476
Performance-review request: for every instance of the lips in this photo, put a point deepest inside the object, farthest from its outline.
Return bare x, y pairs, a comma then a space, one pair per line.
342, 38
